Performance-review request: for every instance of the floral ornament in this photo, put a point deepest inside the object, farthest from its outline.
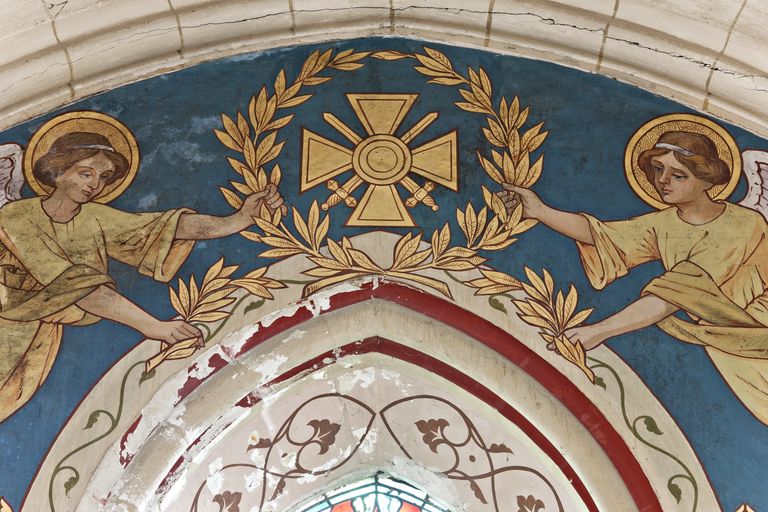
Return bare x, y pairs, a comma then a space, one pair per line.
529, 504
228, 501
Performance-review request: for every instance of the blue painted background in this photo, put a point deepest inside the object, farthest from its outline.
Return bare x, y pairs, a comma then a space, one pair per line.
590, 119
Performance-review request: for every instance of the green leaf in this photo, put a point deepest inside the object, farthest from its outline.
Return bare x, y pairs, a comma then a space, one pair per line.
600, 382
92, 419
253, 305
496, 304
675, 490
146, 376
70, 483
650, 424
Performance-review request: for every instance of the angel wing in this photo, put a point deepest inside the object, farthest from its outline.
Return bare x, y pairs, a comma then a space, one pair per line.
11, 177
756, 171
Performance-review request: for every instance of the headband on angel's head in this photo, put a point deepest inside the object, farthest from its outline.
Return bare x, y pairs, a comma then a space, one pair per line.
95, 146
672, 147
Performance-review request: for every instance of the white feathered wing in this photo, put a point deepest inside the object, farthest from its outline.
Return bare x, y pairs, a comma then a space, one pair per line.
11, 176
756, 171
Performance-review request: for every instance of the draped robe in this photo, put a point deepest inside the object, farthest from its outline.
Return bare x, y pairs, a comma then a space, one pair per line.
716, 272
47, 266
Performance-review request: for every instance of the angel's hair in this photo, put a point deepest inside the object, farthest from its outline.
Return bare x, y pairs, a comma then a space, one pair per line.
69, 149
704, 162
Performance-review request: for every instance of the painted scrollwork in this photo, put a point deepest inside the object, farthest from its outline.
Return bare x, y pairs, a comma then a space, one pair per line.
311, 443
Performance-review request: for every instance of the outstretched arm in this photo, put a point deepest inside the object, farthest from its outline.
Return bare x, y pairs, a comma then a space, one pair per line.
645, 311
572, 225
195, 226
105, 302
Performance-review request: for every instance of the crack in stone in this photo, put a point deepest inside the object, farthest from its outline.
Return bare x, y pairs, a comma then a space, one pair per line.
33, 75
53, 5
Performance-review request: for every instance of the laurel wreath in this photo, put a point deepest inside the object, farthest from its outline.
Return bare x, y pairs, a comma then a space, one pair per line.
491, 228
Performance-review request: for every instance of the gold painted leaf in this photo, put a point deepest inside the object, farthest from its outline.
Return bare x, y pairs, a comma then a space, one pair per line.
213, 271
549, 282
501, 277
273, 153
503, 245
433, 71
363, 260
444, 80
524, 226
469, 107
533, 292
321, 272
503, 109
329, 263
482, 218
459, 252
249, 153
242, 188
338, 253
342, 54
250, 180
227, 140
471, 219
215, 294
184, 297
457, 264
312, 221
439, 57
237, 165
242, 126
276, 175
462, 222
279, 123
533, 173
290, 93
261, 180
536, 282
389, 55
535, 321
279, 242
209, 306
175, 302
570, 303
300, 225
545, 313
522, 118
560, 309
269, 112
268, 227
254, 287
578, 318
231, 128
492, 171
279, 253
256, 109
309, 64
265, 146
257, 273
298, 100
524, 307
322, 231
280, 83
322, 61
213, 316
415, 259
194, 293
485, 82
349, 66
493, 289
328, 281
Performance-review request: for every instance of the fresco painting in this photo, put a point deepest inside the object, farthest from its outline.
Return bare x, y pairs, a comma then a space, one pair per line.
445, 147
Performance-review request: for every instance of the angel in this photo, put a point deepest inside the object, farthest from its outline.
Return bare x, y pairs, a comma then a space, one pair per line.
714, 252
55, 247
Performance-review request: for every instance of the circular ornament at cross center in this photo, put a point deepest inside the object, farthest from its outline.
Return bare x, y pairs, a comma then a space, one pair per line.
382, 160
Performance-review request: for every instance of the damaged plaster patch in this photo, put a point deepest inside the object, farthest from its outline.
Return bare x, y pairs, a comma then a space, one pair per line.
215, 479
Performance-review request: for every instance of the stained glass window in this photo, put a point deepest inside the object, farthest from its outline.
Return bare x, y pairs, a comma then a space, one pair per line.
376, 494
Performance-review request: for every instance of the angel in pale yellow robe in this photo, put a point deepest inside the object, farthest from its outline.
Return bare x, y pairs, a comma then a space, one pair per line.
54, 259
715, 256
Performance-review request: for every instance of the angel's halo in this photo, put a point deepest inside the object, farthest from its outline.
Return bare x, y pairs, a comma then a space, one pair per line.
648, 135
119, 136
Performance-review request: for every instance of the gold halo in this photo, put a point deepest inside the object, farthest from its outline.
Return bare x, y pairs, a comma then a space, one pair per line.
648, 135
119, 136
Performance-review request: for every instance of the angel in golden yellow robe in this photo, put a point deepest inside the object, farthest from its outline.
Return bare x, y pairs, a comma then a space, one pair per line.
715, 256
55, 250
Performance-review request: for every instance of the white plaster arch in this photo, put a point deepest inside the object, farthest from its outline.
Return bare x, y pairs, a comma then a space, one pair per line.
706, 54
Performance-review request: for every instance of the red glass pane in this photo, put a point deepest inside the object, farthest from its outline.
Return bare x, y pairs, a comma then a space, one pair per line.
407, 507
343, 507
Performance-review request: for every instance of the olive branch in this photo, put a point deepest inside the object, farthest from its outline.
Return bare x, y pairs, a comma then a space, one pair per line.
208, 303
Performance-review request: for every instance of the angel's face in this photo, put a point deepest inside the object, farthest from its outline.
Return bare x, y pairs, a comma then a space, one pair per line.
675, 183
86, 178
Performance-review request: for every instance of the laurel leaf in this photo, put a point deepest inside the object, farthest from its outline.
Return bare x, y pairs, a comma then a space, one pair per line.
232, 198
435, 284
434, 71
253, 287
280, 83
494, 173
439, 57
279, 253
363, 260
207, 307
227, 140
444, 80
329, 263
338, 253
533, 173
469, 107
312, 222
241, 187
350, 66
535, 321
184, 298
537, 282
389, 55
485, 83
249, 152
415, 259
328, 281
256, 109
524, 307
309, 64
321, 272
578, 318
265, 146
298, 100
175, 302
300, 225
213, 316
279, 123
569, 305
